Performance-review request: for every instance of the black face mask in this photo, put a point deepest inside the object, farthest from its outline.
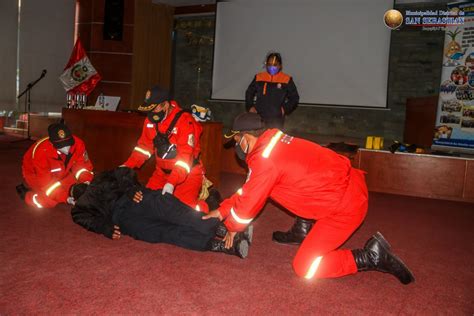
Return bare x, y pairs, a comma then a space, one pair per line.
156, 117
240, 152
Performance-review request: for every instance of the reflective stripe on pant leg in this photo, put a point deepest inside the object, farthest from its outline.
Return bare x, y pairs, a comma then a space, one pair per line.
36, 199
322, 241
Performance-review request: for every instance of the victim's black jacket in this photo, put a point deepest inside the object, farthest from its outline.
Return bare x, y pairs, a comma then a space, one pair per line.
157, 218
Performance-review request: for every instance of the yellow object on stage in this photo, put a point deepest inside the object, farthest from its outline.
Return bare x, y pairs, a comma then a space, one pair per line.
378, 143
374, 142
369, 142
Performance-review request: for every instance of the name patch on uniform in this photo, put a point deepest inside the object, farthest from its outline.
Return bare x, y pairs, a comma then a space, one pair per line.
149, 125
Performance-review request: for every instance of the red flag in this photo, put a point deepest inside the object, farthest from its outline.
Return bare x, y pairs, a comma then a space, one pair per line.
79, 75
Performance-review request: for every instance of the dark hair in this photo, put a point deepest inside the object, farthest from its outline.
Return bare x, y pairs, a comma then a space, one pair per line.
275, 55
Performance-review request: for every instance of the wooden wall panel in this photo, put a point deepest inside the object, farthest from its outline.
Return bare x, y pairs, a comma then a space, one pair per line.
128, 11
112, 67
469, 181
84, 10
210, 139
84, 32
112, 59
420, 117
414, 175
99, 44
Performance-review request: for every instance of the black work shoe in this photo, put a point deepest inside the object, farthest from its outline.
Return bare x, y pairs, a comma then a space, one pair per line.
377, 256
240, 248
296, 234
21, 189
221, 231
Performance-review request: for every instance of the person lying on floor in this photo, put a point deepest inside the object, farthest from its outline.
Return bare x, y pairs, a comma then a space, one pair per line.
115, 203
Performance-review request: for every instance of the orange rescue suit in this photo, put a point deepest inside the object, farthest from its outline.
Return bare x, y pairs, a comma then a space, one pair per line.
312, 182
185, 172
50, 174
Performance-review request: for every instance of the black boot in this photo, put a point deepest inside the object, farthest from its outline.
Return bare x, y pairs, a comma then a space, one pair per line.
377, 256
240, 248
21, 189
221, 231
296, 234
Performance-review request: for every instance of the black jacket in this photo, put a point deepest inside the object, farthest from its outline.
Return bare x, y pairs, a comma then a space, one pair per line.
272, 93
94, 209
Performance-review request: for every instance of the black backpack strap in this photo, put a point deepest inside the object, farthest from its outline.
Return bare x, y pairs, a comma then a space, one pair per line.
174, 121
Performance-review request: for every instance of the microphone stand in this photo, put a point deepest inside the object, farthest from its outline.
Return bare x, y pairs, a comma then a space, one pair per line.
27, 91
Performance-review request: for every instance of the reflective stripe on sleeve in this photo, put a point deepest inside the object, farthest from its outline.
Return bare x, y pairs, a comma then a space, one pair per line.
142, 151
268, 150
313, 268
37, 144
52, 188
38, 205
183, 164
78, 174
238, 219
56, 170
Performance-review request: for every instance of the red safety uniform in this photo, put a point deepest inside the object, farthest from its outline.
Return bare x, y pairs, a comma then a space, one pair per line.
185, 172
50, 174
312, 182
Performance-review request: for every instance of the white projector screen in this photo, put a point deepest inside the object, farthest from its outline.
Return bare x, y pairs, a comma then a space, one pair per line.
337, 51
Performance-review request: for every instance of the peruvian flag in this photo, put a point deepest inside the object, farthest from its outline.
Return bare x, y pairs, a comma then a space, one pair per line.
79, 75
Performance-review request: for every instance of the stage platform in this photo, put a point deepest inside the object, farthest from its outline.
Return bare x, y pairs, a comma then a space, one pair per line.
421, 175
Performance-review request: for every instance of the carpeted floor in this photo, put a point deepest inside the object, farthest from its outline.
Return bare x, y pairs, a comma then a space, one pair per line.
49, 265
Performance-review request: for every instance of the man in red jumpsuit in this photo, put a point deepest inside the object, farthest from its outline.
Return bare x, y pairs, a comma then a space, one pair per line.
312, 182
52, 165
173, 136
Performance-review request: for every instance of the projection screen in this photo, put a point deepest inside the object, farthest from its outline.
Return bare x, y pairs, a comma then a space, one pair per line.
337, 51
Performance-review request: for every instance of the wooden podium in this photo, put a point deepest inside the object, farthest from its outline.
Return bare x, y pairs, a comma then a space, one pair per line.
111, 136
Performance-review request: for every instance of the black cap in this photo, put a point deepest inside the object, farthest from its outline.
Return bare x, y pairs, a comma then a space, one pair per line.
60, 135
245, 122
153, 97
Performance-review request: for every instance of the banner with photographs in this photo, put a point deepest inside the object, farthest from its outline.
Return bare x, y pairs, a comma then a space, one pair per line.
455, 116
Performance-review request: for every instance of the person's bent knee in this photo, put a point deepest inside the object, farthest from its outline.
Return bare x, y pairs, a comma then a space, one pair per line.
306, 268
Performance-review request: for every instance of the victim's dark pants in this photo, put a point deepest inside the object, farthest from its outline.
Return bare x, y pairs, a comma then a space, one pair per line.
164, 219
